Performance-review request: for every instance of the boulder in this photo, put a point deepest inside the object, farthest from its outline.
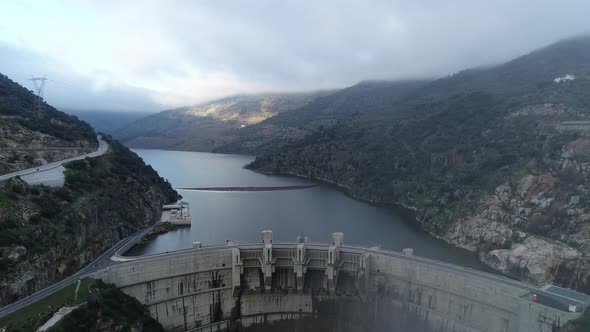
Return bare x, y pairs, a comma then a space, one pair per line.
532, 260
17, 254
531, 187
17, 185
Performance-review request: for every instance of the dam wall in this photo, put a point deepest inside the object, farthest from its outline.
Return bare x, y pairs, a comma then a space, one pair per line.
181, 291
457, 299
329, 287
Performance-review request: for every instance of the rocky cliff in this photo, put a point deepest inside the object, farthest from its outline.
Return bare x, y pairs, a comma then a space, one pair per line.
48, 233
493, 160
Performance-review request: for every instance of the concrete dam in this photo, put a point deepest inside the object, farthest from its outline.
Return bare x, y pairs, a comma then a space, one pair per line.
331, 287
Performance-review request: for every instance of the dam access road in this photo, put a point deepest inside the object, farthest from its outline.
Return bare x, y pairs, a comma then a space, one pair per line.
101, 262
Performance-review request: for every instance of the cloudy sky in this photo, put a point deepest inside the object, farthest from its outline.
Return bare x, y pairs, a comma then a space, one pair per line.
151, 55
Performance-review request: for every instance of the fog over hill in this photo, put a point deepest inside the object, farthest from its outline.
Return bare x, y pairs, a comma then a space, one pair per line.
107, 121
264, 47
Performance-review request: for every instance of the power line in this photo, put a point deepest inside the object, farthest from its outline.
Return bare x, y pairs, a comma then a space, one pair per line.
39, 85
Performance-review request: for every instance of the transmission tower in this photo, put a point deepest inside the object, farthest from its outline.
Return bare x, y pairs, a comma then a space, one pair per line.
39, 85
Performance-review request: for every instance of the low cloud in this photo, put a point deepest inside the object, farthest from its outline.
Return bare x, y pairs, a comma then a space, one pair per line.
149, 55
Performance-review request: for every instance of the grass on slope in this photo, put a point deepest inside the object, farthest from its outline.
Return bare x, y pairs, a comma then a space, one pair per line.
114, 310
31, 317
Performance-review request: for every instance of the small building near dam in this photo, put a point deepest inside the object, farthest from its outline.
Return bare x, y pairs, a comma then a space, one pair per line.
176, 214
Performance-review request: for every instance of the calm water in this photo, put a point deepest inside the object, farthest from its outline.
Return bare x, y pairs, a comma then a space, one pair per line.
316, 212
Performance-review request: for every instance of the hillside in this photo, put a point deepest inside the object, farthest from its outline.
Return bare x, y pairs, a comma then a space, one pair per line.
207, 126
113, 311
22, 128
48, 233
485, 158
107, 121
327, 111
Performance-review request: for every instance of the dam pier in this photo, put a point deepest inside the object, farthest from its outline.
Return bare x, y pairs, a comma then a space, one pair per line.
331, 286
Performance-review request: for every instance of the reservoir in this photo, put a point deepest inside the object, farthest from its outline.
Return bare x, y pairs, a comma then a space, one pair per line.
303, 207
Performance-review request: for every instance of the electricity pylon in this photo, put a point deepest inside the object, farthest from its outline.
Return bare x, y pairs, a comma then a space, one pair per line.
39, 85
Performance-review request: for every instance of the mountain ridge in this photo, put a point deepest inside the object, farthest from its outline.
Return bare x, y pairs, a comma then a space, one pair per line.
205, 126
480, 156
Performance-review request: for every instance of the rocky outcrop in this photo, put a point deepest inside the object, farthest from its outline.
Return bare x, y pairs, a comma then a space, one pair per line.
533, 259
17, 186
535, 229
533, 226
478, 155
47, 234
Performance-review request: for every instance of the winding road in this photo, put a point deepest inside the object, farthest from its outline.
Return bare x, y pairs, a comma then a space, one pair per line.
101, 262
102, 148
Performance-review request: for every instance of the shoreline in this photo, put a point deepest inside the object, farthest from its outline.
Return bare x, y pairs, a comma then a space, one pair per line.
405, 212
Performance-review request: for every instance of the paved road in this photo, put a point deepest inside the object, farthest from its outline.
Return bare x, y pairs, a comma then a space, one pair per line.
99, 263
102, 148
54, 177
95, 265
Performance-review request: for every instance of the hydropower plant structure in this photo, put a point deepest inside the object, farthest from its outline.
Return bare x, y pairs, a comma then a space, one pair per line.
348, 288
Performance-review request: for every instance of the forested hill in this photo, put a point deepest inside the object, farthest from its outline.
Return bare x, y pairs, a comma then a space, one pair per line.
207, 126
342, 105
48, 233
18, 102
22, 127
107, 121
486, 158
522, 75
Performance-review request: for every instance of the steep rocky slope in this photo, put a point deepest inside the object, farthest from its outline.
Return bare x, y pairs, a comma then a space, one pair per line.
485, 157
207, 126
29, 137
47, 233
